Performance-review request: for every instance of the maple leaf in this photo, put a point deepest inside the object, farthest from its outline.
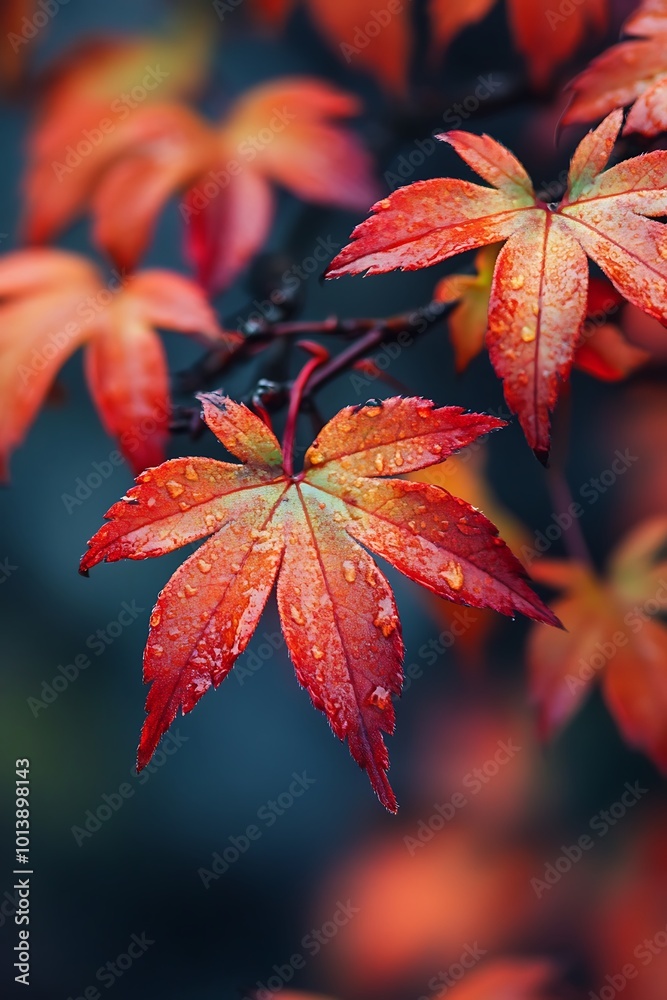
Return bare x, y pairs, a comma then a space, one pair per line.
52, 302
285, 132
545, 36
500, 979
468, 322
90, 100
380, 41
540, 281
603, 352
613, 637
337, 610
632, 72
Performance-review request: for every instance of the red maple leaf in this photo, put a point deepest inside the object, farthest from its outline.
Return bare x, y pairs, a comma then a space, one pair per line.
53, 302
613, 638
632, 72
337, 609
540, 280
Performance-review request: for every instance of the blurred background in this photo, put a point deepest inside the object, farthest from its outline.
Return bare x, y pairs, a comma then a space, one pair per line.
328, 894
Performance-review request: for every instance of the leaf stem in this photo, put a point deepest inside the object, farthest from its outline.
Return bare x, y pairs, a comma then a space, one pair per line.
320, 356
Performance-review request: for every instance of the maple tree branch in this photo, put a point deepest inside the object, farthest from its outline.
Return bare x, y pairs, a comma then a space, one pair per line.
368, 333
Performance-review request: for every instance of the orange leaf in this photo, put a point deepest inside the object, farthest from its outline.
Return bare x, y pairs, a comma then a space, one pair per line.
52, 302
633, 72
612, 636
538, 296
337, 610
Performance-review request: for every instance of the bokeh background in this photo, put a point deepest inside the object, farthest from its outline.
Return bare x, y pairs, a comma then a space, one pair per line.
413, 909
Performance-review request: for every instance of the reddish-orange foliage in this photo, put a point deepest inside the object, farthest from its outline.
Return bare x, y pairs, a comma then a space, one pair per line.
337, 610
540, 281
286, 132
633, 72
613, 636
52, 302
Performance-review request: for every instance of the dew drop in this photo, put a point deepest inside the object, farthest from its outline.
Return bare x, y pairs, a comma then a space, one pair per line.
316, 458
381, 698
191, 472
184, 506
453, 575
189, 590
296, 615
379, 462
527, 334
155, 619
174, 489
317, 653
349, 572
204, 566
517, 282
398, 458
151, 502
